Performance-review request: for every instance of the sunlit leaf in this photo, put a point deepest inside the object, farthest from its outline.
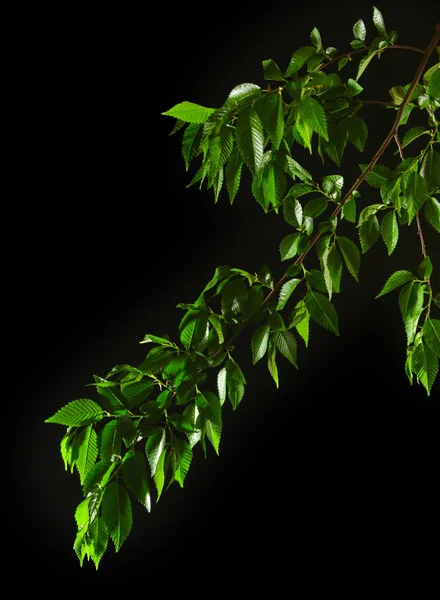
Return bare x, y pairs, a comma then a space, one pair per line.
286, 343
425, 366
322, 311
351, 255
286, 291
189, 112
117, 513
389, 228
78, 412
313, 115
134, 471
259, 342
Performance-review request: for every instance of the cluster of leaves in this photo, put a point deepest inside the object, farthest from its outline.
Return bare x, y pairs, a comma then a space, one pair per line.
137, 438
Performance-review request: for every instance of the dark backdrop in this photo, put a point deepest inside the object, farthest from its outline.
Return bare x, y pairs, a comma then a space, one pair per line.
112, 240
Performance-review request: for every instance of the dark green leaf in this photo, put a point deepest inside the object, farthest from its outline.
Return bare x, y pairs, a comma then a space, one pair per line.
394, 281
271, 361
389, 229
416, 193
181, 460
379, 22
160, 474
138, 392
349, 210
98, 475
134, 471
425, 268
154, 447
342, 62
192, 328
272, 117
299, 58
271, 71
432, 213
110, 447
315, 38
357, 132
411, 305
332, 186
296, 170
351, 255
99, 540
430, 170
337, 141
220, 149
250, 138
434, 84
369, 233
235, 383
315, 279
353, 89
87, 448
359, 30
363, 64
286, 343
233, 297
425, 366
412, 134
379, 176
322, 311
315, 207
191, 142
117, 513
233, 173
313, 116
293, 212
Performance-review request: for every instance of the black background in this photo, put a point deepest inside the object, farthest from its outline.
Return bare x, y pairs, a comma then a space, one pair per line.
345, 454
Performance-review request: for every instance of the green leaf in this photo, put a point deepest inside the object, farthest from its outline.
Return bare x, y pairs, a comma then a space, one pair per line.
271, 362
425, 366
220, 273
315, 278
342, 62
413, 134
235, 382
159, 475
286, 343
192, 328
117, 513
154, 448
322, 311
293, 212
296, 170
416, 193
431, 335
363, 64
357, 132
315, 38
191, 142
233, 297
313, 116
189, 112
430, 170
217, 325
87, 448
272, 117
425, 268
221, 385
349, 210
99, 538
273, 184
334, 268
78, 412
434, 85
110, 446
289, 245
299, 58
138, 392
332, 186
389, 229
213, 433
134, 471
379, 23
233, 173
250, 139
359, 30
302, 326
432, 212
379, 176
394, 281
315, 207
260, 339
353, 88
181, 460
351, 255
99, 474
271, 71
369, 233
220, 149
338, 136
286, 291
411, 305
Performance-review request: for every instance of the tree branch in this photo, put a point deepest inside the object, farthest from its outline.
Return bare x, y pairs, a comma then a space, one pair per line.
367, 48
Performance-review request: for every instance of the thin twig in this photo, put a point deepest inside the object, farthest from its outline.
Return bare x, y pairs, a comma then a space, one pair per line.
352, 52
380, 102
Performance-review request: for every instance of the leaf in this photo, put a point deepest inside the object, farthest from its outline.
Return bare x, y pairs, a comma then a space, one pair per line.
242, 93
233, 173
272, 117
78, 412
293, 212
286, 291
271, 71
315, 207
432, 213
286, 343
357, 132
159, 475
271, 362
315, 38
314, 116
425, 366
332, 186
416, 193
296, 170
233, 297
98, 475
389, 229
369, 233
430, 170
425, 268
315, 279
220, 149
338, 136
363, 64
235, 383
273, 185
137, 392
413, 134
191, 142
322, 311
134, 471
99, 537
379, 22
250, 139
302, 326
299, 58
260, 339
289, 245
349, 210
220, 273
189, 112
221, 385
394, 281
82, 513
110, 446
334, 268
379, 176
431, 335
154, 448
351, 255
181, 460
434, 84
359, 30
87, 445
342, 62
192, 328
353, 88
117, 513
411, 306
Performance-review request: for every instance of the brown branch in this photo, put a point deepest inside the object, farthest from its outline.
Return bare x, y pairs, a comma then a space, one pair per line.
367, 48
380, 102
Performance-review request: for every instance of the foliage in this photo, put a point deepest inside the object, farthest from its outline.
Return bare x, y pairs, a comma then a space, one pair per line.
138, 436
